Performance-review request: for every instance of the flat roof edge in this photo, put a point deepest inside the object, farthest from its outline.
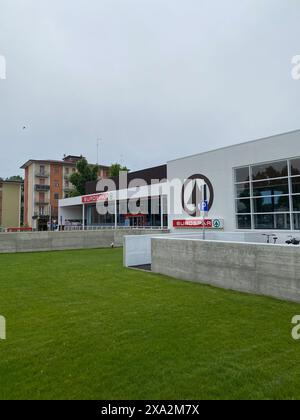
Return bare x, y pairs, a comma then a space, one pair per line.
236, 145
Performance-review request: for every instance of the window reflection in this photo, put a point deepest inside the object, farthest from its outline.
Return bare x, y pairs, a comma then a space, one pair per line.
295, 167
243, 191
296, 218
270, 170
296, 185
296, 202
264, 193
244, 221
274, 187
242, 174
272, 221
243, 206
271, 204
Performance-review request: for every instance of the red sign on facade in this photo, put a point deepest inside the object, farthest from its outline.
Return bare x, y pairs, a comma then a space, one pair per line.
89, 199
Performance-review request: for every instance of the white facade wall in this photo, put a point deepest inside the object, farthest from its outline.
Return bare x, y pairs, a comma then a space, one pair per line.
219, 166
69, 209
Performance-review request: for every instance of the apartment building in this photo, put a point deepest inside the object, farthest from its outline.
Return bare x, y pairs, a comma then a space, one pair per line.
46, 182
10, 204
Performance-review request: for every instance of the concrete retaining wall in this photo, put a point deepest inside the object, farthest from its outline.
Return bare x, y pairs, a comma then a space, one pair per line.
271, 270
56, 241
137, 249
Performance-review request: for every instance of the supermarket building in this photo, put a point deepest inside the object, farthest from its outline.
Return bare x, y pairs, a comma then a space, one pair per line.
249, 186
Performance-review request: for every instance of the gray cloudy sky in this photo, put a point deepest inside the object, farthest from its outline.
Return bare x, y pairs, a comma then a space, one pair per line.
157, 79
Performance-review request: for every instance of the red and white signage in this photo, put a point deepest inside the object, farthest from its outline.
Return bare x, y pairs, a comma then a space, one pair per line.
89, 199
198, 224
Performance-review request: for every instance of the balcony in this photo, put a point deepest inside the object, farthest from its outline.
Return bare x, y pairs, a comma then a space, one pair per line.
40, 174
42, 203
42, 188
41, 216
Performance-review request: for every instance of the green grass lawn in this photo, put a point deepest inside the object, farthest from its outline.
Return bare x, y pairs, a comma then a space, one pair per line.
80, 326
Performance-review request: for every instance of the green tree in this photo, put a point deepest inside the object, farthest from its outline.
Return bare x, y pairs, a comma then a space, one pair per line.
15, 178
85, 173
116, 168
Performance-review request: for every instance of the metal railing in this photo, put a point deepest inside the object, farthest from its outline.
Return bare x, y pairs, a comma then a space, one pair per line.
39, 187
42, 203
87, 228
42, 174
96, 228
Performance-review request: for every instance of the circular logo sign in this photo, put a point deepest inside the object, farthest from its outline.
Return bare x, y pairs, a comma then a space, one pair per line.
196, 189
216, 224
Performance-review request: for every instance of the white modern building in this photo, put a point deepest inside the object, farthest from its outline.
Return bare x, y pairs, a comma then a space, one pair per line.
253, 186
111, 209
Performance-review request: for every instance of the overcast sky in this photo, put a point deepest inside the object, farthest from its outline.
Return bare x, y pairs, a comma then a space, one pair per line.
156, 79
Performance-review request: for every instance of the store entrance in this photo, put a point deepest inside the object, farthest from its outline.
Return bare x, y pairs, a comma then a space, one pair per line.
43, 224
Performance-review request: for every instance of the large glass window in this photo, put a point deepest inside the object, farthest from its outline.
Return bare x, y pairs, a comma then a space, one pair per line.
98, 219
270, 170
242, 174
295, 167
244, 221
272, 221
243, 206
273, 187
267, 196
296, 202
296, 185
243, 190
271, 204
296, 220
